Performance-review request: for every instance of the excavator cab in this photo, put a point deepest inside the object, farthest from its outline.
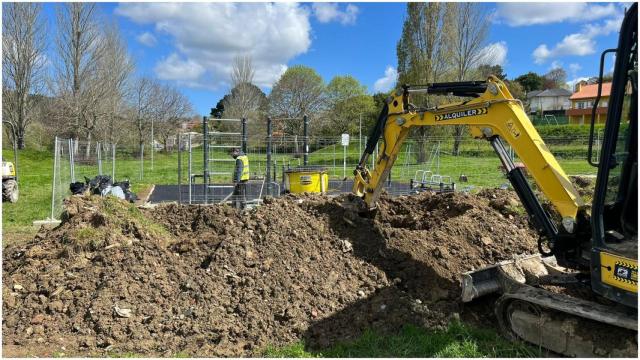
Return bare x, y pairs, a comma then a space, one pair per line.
614, 213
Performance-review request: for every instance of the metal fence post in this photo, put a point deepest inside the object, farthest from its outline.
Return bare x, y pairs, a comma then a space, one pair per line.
334, 158
244, 135
189, 168
113, 162
269, 140
179, 169
71, 161
305, 121
152, 143
141, 161
205, 151
99, 156
344, 162
55, 166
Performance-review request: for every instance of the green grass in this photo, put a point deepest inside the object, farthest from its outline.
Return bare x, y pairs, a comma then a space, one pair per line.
458, 340
35, 169
477, 162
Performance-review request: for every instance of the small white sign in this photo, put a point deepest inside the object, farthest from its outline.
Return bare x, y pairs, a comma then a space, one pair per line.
345, 140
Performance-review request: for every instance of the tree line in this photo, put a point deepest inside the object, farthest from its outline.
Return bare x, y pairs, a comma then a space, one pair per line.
333, 108
82, 85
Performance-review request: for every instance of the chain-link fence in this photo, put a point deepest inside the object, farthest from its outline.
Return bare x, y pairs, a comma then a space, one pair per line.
429, 162
74, 161
278, 161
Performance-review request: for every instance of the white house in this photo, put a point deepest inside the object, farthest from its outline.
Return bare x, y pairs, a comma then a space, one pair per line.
549, 100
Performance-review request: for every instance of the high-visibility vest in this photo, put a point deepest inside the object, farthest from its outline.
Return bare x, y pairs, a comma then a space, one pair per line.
245, 167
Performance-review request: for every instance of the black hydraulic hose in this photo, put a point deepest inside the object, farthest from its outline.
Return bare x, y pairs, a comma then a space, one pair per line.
375, 134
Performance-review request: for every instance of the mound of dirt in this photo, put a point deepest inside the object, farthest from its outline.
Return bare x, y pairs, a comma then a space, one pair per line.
212, 281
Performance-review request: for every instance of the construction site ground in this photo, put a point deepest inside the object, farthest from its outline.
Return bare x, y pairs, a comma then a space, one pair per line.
214, 281
256, 189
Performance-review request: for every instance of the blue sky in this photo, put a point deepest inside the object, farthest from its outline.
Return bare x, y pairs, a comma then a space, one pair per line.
192, 45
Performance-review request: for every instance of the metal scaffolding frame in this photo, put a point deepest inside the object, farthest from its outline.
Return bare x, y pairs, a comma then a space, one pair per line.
219, 140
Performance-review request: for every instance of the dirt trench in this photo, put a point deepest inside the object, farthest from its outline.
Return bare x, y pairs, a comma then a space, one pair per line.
212, 281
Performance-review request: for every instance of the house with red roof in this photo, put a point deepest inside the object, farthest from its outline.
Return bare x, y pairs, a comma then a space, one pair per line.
582, 103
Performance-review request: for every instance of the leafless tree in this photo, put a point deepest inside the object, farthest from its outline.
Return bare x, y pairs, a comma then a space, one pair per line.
245, 98
113, 74
469, 35
171, 107
23, 63
142, 105
76, 82
157, 105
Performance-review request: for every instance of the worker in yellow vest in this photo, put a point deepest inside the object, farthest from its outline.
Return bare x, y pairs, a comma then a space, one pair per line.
240, 178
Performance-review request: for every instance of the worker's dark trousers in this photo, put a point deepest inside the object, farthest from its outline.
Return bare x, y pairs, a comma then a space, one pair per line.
240, 195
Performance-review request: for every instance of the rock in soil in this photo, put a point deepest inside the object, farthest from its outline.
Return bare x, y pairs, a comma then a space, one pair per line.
212, 281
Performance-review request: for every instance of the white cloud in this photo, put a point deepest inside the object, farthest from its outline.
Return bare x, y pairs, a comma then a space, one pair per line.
578, 44
147, 39
574, 68
609, 26
555, 64
174, 68
386, 82
494, 54
207, 37
328, 12
524, 14
583, 42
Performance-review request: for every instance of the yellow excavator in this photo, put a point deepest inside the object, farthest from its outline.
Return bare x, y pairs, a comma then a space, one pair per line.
593, 250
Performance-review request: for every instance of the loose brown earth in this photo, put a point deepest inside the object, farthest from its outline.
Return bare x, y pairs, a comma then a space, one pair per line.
211, 281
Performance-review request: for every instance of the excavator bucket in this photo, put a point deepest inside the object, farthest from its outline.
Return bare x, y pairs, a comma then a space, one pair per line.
509, 275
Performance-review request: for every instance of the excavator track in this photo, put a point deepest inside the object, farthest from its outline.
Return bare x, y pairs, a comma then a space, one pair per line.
566, 325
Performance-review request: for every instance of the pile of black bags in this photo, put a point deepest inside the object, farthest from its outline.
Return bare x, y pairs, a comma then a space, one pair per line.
102, 185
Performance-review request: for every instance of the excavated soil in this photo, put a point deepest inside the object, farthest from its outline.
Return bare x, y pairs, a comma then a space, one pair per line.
213, 281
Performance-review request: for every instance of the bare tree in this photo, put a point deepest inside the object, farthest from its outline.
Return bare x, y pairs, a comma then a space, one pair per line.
142, 104
171, 106
76, 83
23, 62
556, 78
113, 74
469, 35
157, 105
245, 99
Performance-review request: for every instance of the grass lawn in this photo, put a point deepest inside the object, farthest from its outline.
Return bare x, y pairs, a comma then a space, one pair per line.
458, 340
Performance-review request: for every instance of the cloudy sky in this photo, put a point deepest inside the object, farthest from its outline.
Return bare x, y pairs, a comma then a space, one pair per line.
192, 45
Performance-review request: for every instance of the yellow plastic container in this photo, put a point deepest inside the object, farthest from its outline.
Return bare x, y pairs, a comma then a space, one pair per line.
306, 179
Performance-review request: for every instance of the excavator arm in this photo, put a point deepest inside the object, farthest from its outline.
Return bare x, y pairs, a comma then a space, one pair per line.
492, 114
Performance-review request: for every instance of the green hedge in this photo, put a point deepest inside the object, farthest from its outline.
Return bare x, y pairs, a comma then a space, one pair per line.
566, 131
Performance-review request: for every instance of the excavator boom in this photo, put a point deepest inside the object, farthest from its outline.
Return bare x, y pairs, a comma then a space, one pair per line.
494, 115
